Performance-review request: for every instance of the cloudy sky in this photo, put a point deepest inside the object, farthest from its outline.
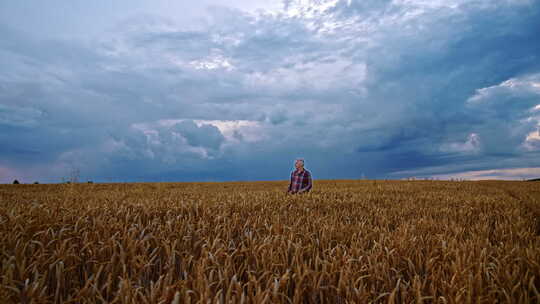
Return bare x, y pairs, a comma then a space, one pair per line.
208, 90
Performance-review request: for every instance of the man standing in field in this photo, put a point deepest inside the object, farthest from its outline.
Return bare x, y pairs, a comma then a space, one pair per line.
300, 178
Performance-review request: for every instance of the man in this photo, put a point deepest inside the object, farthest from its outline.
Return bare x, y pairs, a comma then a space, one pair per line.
300, 178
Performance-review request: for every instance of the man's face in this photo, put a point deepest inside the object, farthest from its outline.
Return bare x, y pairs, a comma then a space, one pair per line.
298, 164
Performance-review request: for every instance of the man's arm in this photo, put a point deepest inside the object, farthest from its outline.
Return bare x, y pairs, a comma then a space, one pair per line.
308, 186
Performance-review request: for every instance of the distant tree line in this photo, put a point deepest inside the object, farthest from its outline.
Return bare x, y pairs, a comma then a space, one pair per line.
16, 182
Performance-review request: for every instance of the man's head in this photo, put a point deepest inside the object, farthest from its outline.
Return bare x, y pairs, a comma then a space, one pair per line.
299, 163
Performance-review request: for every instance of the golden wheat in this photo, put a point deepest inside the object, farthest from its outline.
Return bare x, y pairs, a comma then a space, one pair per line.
346, 242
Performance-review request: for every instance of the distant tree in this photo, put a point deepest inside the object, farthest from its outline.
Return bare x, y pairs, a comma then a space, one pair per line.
90, 182
16, 182
36, 182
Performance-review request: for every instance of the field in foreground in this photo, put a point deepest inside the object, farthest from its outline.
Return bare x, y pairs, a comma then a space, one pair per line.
346, 242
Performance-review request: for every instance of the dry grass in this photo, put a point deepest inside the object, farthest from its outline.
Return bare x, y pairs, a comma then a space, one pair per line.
346, 242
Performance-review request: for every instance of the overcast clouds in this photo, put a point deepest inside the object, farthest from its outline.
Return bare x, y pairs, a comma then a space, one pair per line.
235, 90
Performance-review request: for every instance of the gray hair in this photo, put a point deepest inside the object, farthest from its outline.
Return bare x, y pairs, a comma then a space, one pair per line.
299, 159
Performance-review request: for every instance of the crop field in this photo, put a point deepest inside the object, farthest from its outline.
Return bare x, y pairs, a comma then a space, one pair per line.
348, 241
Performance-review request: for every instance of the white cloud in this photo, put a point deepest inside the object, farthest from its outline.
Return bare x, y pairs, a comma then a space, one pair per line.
472, 144
250, 131
234, 130
505, 174
212, 63
532, 141
308, 9
526, 84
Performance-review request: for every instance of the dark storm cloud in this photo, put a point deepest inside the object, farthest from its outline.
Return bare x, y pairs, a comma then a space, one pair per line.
204, 136
358, 88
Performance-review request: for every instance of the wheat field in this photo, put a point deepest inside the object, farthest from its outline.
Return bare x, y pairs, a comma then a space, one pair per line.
348, 241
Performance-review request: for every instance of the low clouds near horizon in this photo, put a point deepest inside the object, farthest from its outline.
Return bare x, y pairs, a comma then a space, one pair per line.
376, 89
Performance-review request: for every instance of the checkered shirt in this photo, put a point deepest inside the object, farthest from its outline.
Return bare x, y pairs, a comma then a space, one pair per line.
300, 180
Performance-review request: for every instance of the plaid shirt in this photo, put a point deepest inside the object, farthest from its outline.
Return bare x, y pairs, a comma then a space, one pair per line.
300, 181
